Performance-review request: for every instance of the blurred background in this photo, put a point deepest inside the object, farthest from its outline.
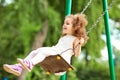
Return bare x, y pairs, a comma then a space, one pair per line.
28, 24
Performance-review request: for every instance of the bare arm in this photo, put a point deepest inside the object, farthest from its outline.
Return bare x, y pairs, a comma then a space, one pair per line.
77, 50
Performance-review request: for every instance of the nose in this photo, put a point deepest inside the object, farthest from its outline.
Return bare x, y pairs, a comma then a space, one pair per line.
63, 25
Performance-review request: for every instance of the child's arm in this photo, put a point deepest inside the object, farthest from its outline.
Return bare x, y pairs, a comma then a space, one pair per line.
77, 50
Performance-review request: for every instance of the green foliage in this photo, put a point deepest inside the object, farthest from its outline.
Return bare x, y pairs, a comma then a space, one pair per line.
95, 43
22, 19
54, 30
18, 27
27, 33
72, 75
114, 11
95, 71
117, 56
117, 70
38, 73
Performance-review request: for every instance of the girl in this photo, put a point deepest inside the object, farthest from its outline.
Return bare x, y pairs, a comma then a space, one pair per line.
73, 32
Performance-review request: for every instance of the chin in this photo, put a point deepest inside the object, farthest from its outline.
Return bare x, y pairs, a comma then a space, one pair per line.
64, 34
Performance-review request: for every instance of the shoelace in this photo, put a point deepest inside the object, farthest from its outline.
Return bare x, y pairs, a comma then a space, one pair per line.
28, 63
16, 67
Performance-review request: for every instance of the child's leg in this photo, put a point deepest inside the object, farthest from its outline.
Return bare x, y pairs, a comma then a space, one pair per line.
42, 53
27, 59
39, 57
31, 54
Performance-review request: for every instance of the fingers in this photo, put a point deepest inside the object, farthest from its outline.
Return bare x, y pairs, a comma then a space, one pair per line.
82, 40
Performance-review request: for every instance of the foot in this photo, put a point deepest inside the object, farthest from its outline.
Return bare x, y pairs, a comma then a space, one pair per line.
26, 64
14, 69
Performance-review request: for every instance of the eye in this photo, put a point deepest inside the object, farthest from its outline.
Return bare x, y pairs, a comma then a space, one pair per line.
67, 23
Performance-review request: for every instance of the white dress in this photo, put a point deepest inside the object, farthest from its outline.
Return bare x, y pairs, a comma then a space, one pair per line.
64, 43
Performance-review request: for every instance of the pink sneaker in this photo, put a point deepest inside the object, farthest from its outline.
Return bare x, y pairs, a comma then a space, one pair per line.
14, 69
26, 64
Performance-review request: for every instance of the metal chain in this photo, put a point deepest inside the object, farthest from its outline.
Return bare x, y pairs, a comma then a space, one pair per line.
84, 9
94, 24
86, 6
99, 18
65, 51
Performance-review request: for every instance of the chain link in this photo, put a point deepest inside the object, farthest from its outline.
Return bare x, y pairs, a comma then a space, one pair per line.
94, 24
99, 18
86, 6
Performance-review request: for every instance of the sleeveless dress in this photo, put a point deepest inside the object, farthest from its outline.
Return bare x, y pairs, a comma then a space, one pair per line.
64, 43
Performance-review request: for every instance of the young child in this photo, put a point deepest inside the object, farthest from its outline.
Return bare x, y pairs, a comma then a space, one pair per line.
73, 32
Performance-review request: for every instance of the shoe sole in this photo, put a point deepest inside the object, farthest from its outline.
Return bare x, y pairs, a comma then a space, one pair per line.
9, 70
23, 65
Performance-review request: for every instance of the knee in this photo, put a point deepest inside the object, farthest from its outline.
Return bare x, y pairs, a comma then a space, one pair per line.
43, 51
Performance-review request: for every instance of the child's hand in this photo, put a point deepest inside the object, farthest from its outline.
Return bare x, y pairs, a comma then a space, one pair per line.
82, 41
77, 50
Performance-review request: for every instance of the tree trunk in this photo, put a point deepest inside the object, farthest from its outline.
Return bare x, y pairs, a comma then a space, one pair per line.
39, 40
40, 37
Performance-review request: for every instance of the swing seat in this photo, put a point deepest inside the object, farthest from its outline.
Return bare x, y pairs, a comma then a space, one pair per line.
55, 64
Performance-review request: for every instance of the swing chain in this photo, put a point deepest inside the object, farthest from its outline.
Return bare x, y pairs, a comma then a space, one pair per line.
94, 24
65, 51
99, 18
86, 6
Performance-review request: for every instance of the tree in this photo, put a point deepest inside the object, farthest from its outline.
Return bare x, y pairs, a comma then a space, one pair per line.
23, 20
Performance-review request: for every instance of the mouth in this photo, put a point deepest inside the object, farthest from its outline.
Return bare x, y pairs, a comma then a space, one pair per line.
64, 28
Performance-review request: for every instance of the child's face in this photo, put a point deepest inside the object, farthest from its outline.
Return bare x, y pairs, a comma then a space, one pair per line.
67, 26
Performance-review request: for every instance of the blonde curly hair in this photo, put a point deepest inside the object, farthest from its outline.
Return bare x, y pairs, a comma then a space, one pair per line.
79, 23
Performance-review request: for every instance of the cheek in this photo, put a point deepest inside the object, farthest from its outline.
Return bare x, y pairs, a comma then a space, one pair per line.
73, 29
70, 28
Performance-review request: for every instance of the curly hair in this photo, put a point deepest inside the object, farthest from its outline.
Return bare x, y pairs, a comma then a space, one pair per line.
79, 23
